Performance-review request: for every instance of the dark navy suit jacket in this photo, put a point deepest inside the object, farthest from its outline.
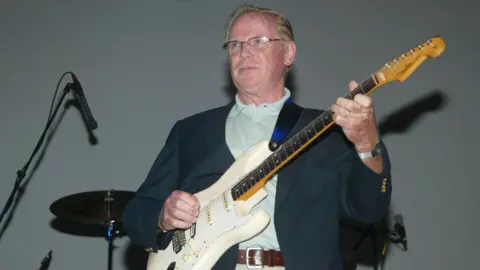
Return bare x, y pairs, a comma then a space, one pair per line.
325, 182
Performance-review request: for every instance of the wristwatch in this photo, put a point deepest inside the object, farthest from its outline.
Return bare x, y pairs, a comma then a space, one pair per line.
375, 152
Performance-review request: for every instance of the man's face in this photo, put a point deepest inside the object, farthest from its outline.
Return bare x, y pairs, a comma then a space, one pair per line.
255, 70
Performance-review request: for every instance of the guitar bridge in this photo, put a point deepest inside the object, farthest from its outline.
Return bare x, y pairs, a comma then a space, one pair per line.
178, 240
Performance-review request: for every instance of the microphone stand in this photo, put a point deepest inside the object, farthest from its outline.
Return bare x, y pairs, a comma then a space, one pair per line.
22, 172
46, 261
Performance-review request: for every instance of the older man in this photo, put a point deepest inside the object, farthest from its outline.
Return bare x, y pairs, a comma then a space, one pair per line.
346, 173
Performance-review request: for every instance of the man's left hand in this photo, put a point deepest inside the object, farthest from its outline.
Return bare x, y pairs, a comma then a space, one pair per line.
357, 119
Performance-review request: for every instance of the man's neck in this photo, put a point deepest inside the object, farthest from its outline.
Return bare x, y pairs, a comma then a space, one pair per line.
271, 95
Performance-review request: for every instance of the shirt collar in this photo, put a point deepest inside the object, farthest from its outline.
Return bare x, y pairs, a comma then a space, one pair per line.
264, 108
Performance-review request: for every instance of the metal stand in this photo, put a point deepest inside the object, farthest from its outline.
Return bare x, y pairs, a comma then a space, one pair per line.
22, 172
370, 231
112, 230
111, 235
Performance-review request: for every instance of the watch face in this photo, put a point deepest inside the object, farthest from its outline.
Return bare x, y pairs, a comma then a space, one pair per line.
376, 150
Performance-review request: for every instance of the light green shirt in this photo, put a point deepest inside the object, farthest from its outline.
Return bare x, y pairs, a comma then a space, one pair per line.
246, 125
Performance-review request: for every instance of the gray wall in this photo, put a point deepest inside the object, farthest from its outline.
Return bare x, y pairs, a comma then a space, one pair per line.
145, 65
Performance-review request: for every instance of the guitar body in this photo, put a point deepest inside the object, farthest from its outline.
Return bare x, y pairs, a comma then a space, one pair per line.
222, 223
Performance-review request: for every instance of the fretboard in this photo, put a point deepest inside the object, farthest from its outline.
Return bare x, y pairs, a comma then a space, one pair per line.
293, 146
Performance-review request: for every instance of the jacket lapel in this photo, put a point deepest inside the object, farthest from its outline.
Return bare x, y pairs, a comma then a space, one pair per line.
218, 159
287, 176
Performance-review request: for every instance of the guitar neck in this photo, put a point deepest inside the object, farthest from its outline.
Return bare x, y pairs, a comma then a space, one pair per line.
293, 146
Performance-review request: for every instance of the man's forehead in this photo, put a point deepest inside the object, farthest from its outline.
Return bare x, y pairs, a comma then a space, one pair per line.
252, 24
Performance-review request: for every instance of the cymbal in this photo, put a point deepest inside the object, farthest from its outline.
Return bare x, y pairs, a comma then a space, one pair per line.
93, 207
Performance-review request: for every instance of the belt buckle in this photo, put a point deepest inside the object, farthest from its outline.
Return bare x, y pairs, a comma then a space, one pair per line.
247, 261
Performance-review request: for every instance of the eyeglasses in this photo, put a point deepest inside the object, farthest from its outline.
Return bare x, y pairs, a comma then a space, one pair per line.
256, 43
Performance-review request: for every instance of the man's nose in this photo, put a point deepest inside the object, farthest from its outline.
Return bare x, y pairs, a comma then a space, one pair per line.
245, 50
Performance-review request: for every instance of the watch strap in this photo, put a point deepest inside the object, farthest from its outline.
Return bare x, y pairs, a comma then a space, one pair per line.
375, 152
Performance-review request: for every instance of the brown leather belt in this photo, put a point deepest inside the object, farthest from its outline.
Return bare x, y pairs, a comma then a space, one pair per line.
260, 257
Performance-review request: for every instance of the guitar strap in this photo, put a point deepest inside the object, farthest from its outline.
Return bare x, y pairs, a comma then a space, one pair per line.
288, 117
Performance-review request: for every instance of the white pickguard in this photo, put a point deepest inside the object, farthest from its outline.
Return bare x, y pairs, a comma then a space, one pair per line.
222, 223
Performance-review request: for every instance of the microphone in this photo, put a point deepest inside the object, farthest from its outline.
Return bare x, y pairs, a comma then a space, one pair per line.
400, 229
84, 108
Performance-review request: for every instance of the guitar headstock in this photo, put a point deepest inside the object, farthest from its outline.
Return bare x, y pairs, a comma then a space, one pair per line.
400, 68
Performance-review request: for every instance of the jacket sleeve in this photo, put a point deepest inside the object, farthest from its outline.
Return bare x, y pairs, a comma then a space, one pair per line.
140, 219
364, 194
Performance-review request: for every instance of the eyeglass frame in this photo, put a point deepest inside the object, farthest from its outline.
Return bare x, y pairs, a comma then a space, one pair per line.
267, 40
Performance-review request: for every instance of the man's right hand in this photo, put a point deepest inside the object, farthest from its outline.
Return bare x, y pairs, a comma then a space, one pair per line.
179, 211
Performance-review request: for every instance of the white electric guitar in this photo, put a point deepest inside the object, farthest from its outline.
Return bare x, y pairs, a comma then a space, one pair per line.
225, 217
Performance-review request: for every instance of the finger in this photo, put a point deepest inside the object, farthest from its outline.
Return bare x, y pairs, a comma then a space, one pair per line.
348, 104
185, 207
188, 198
340, 120
342, 111
176, 223
352, 85
181, 215
363, 100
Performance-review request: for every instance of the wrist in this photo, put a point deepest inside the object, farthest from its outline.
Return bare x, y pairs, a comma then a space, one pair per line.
370, 139
366, 147
369, 151
161, 228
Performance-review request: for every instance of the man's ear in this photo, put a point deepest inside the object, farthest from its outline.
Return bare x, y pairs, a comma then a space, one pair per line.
291, 51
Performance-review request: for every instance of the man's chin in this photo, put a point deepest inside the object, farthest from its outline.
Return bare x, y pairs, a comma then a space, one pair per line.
249, 83
249, 77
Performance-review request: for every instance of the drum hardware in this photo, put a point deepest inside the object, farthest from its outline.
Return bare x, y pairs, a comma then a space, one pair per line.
104, 208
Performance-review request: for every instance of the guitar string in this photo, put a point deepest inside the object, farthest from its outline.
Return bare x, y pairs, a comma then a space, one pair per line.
217, 199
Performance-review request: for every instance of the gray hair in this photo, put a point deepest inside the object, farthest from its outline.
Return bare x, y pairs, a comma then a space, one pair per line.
284, 27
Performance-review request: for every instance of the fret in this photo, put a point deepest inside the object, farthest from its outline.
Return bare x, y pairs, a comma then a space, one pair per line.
243, 188
261, 172
318, 125
276, 158
248, 184
251, 183
360, 87
290, 148
296, 144
266, 167
284, 151
252, 178
240, 187
302, 138
322, 121
271, 162
351, 94
327, 119
256, 178
293, 143
310, 131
